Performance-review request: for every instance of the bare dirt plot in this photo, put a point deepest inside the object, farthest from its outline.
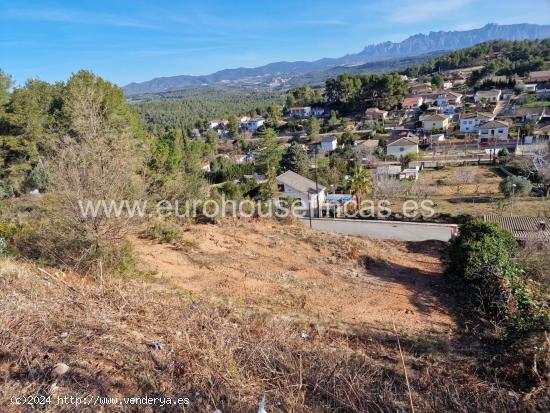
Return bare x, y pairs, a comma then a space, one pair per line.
463, 180
290, 271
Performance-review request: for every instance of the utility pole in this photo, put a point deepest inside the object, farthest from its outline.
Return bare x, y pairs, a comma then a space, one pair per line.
512, 204
317, 186
309, 208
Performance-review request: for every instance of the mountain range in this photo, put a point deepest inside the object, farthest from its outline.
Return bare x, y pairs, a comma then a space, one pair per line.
379, 57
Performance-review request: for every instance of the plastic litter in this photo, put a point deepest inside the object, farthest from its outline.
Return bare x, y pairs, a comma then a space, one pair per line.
155, 346
261, 409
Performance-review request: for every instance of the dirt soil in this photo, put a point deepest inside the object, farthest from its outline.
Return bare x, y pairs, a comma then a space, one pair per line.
293, 272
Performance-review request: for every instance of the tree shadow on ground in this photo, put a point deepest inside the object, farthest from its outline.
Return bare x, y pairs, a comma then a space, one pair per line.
429, 290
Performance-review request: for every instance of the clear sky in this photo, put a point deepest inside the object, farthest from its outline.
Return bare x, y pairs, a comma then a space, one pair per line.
136, 40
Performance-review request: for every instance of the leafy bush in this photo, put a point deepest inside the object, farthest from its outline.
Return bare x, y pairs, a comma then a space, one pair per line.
522, 186
6, 191
7, 232
164, 232
482, 256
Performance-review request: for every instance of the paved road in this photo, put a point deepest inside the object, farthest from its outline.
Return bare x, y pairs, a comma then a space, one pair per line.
402, 231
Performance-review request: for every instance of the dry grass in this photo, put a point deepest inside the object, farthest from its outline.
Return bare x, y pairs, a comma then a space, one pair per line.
218, 356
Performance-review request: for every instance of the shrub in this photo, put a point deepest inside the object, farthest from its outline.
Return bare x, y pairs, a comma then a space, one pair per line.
164, 232
6, 191
482, 256
522, 186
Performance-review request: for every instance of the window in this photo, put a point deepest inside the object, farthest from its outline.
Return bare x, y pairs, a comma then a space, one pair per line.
500, 131
401, 149
280, 187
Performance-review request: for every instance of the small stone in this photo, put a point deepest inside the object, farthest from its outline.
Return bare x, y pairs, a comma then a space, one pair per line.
60, 369
64, 334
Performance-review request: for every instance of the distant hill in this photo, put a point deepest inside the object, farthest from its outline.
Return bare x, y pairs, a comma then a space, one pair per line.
282, 74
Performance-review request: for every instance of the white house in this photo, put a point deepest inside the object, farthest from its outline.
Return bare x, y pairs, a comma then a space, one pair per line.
412, 102
469, 122
329, 144
253, 124
291, 185
403, 146
300, 111
491, 96
411, 174
213, 124
447, 85
448, 98
436, 121
494, 128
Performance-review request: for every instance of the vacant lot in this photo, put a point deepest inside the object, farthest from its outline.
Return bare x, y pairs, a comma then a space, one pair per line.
474, 190
464, 180
246, 309
322, 277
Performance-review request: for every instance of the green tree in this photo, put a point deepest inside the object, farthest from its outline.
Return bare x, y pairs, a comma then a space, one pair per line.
360, 183
233, 126
274, 115
295, 159
333, 121
515, 185
313, 128
6, 82
268, 152
212, 137
437, 80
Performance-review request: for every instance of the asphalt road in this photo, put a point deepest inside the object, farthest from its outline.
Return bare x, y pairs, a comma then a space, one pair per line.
402, 231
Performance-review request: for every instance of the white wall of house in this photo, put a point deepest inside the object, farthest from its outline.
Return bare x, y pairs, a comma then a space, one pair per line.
435, 124
492, 97
329, 145
311, 203
469, 125
501, 133
400, 150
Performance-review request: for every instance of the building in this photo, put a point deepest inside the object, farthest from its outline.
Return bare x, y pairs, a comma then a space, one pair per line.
412, 103
300, 111
375, 114
494, 128
329, 144
539, 76
543, 133
469, 122
213, 124
253, 124
436, 121
530, 114
403, 146
421, 88
411, 174
390, 171
448, 98
292, 186
490, 96
524, 229
447, 85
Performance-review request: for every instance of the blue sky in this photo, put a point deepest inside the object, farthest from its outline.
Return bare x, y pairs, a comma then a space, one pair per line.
136, 40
